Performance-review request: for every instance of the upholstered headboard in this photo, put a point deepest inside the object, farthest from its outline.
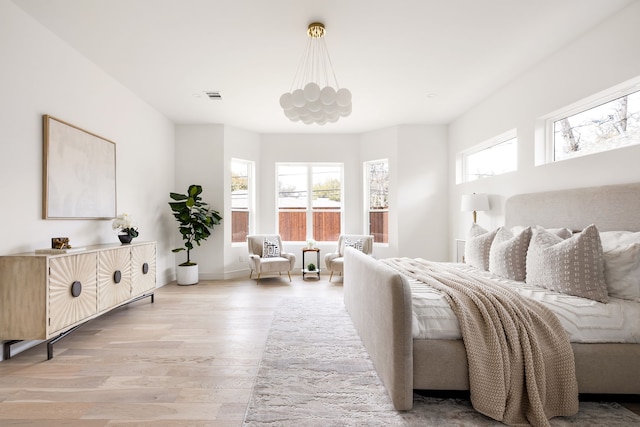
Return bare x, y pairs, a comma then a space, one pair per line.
609, 207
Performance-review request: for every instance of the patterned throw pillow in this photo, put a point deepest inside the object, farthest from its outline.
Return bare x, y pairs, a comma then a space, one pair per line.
572, 266
508, 255
356, 244
270, 249
478, 247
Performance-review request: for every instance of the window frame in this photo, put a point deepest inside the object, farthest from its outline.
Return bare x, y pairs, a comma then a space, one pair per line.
545, 141
462, 156
309, 209
367, 200
250, 198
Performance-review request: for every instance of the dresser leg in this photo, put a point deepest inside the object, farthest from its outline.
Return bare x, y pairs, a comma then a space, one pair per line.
58, 338
6, 349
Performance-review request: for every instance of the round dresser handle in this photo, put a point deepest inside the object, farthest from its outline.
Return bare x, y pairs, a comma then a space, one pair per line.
76, 289
145, 268
117, 276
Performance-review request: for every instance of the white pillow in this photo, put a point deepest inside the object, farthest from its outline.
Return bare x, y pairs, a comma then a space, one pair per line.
612, 239
573, 266
622, 263
565, 233
508, 255
622, 271
477, 249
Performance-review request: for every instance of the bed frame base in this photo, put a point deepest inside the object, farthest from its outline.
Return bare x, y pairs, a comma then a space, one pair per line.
600, 368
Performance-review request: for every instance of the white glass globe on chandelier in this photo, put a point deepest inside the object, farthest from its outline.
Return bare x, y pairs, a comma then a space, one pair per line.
312, 98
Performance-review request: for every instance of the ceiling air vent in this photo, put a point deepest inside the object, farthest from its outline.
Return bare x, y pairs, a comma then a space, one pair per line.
214, 95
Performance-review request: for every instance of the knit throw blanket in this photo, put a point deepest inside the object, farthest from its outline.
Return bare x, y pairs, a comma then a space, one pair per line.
521, 367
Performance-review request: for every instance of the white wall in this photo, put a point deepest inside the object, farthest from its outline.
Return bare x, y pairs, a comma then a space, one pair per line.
199, 159
418, 196
42, 75
422, 192
601, 58
39, 75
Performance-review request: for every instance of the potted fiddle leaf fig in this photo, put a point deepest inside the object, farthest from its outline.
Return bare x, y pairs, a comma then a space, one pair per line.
196, 220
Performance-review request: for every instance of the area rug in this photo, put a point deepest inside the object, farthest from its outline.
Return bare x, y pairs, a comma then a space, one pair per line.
316, 372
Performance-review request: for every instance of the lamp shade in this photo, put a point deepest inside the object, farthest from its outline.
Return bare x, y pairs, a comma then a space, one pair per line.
474, 202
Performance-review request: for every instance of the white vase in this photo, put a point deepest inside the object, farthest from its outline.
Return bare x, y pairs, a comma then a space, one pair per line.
187, 275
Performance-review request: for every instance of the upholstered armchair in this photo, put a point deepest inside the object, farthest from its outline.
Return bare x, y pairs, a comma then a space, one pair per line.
266, 255
335, 260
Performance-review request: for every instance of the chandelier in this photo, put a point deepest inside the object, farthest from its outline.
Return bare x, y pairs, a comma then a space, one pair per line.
312, 98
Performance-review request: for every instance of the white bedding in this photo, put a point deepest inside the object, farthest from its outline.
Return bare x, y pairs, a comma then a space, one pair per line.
585, 320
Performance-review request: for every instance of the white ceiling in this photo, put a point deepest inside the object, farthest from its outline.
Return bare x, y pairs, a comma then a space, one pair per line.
405, 61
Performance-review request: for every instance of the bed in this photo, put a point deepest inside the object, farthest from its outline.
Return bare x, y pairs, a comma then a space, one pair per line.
379, 301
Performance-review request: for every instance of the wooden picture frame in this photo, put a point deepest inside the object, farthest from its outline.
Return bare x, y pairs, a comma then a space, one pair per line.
79, 173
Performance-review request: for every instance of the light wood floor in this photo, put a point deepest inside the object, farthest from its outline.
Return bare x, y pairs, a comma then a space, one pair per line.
189, 359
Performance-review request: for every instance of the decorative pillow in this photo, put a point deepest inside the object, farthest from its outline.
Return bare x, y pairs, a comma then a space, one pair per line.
270, 249
356, 244
508, 255
573, 266
622, 271
565, 233
478, 247
613, 239
622, 263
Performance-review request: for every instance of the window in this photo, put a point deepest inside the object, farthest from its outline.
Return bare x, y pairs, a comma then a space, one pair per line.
587, 128
301, 210
241, 199
493, 157
377, 203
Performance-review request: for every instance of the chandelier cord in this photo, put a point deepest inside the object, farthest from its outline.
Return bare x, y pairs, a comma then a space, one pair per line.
298, 78
327, 57
314, 71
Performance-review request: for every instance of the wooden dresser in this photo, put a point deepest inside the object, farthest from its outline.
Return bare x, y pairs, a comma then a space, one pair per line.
44, 296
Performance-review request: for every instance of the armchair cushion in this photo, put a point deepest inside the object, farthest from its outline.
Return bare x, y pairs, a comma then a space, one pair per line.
270, 249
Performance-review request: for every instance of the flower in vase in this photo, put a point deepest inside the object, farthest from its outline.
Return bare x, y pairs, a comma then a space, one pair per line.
124, 224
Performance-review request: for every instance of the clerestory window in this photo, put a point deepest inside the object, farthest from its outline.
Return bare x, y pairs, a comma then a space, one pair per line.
595, 128
495, 156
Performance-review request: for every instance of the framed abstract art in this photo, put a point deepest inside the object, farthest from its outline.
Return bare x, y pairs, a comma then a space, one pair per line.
79, 173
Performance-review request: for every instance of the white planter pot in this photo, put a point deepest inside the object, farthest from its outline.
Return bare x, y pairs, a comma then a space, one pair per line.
187, 275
